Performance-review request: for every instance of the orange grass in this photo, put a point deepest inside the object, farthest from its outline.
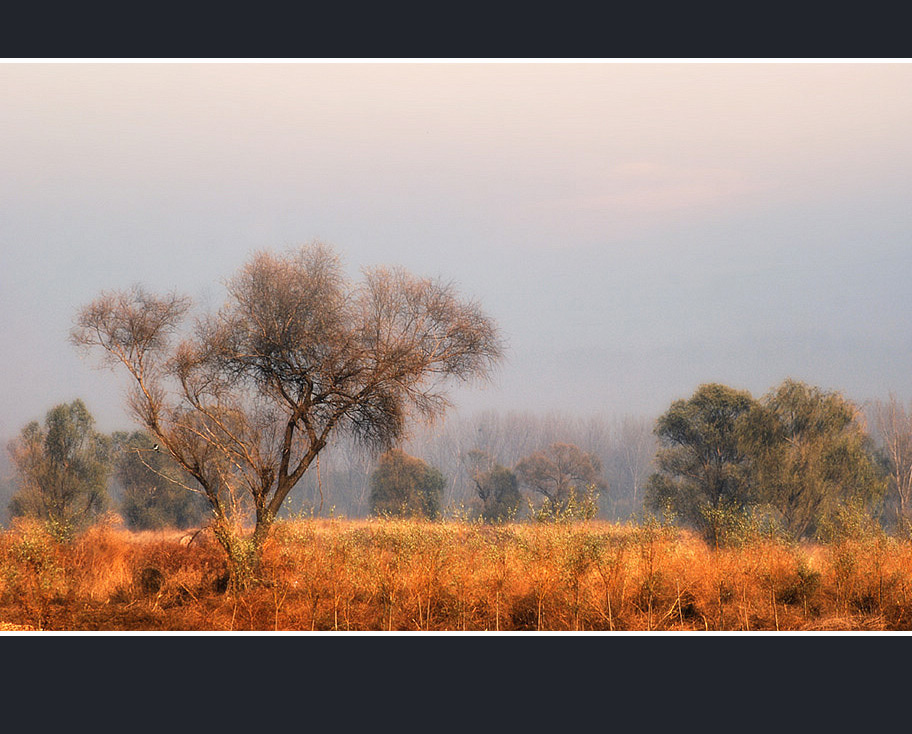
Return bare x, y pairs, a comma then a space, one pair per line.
378, 575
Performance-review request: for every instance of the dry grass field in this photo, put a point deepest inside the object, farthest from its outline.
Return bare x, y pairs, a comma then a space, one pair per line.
378, 575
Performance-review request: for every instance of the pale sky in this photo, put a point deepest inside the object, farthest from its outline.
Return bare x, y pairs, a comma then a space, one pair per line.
635, 228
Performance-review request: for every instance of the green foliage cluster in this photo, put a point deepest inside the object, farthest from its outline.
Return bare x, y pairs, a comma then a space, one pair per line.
796, 457
496, 487
501, 494
702, 472
406, 486
63, 468
575, 507
810, 456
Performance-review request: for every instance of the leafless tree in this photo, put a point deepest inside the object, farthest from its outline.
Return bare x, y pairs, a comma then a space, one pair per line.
636, 446
247, 399
559, 470
893, 423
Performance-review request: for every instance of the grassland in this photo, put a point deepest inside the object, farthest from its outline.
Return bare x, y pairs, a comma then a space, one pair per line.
380, 575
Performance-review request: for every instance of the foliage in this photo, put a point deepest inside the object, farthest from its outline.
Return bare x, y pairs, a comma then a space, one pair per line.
155, 492
798, 455
577, 505
62, 467
32, 571
851, 521
496, 486
298, 354
406, 486
810, 456
702, 473
735, 527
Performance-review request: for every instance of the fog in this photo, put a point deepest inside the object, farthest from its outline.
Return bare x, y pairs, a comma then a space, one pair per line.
635, 228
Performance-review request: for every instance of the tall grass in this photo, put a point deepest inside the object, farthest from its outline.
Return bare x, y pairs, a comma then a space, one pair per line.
394, 575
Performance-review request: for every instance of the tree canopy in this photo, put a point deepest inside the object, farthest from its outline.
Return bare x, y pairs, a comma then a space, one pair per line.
62, 467
799, 453
810, 455
564, 475
702, 470
496, 487
246, 399
406, 486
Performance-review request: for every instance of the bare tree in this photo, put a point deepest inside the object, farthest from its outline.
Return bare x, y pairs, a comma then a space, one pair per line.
249, 398
636, 446
893, 422
559, 472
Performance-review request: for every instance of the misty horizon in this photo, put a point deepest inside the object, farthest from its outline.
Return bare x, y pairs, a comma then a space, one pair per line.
635, 229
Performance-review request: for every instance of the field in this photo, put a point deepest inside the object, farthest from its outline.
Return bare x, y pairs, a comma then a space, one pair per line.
379, 575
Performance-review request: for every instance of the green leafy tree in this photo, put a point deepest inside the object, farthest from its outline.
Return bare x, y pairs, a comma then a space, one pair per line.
810, 456
702, 472
406, 486
297, 355
496, 486
799, 452
62, 469
155, 492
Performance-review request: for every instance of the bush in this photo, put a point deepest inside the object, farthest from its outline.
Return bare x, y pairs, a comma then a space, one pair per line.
498, 490
577, 506
405, 486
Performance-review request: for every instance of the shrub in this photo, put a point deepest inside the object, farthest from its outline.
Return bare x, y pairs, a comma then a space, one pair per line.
405, 486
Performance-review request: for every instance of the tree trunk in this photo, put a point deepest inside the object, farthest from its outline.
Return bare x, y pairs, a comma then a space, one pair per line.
244, 554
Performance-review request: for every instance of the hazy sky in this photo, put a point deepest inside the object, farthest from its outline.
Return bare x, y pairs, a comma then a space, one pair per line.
636, 228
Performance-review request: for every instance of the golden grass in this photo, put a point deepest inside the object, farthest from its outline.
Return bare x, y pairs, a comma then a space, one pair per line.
378, 575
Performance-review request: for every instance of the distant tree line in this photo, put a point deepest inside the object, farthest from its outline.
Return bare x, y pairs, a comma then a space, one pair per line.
797, 461
480, 455
560, 481
69, 474
721, 460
